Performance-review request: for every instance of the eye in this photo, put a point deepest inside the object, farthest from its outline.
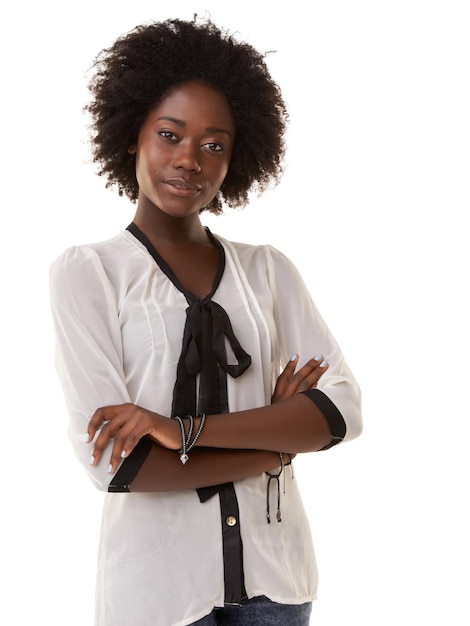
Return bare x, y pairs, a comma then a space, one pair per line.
168, 135
213, 146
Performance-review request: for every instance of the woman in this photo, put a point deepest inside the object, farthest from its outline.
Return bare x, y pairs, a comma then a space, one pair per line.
203, 522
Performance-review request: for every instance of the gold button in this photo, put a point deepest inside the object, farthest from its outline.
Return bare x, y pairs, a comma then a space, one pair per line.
231, 520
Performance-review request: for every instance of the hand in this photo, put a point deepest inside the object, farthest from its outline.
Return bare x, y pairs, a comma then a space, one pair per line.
291, 382
126, 424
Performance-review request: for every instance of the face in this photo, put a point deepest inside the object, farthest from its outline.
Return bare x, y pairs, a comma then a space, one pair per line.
183, 150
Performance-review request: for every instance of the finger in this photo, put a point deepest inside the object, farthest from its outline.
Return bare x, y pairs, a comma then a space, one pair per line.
309, 375
286, 375
109, 431
124, 443
136, 424
289, 369
99, 418
109, 420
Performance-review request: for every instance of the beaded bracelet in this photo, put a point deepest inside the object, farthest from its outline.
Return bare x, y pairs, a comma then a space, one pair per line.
186, 443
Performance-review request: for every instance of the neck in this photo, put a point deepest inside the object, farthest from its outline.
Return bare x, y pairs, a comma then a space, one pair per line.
163, 229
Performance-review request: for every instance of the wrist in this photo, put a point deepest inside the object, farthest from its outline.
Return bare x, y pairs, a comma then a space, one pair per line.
190, 429
165, 432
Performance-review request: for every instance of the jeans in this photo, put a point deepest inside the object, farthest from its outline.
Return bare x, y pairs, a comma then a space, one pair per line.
259, 612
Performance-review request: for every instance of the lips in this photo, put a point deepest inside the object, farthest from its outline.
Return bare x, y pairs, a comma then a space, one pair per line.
182, 184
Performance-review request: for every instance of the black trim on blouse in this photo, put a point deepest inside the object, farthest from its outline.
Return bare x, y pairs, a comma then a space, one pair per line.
203, 351
234, 578
203, 354
333, 416
130, 467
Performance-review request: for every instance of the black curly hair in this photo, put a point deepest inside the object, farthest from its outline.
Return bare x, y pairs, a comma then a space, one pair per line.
140, 68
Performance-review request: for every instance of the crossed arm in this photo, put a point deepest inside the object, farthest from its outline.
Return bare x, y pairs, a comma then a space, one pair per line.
232, 446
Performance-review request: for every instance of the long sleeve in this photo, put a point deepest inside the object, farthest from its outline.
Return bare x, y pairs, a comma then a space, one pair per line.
119, 322
88, 346
302, 330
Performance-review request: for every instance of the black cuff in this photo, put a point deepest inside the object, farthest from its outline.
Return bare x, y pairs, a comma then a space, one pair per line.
332, 415
130, 467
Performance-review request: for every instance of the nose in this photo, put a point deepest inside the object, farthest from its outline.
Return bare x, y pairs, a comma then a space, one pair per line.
187, 157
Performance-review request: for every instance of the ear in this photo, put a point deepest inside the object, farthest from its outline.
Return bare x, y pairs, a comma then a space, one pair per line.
132, 149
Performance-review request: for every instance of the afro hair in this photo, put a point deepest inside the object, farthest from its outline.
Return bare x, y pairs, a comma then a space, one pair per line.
133, 76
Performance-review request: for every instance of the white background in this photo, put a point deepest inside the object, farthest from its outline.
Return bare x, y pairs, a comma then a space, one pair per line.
372, 209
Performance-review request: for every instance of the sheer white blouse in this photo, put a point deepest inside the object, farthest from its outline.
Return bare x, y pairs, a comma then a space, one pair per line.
119, 322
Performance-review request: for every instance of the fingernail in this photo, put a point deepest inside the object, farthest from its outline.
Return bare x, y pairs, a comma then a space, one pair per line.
123, 454
322, 364
110, 469
86, 438
293, 357
91, 460
318, 357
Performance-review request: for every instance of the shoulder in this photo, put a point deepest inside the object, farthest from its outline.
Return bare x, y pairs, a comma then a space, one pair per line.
261, 257
110, 258
84, 253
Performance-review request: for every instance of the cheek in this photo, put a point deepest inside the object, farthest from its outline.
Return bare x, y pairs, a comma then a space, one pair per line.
139, 170
224, 171
145, 165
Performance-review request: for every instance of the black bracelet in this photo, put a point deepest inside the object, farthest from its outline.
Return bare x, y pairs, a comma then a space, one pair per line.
276, 478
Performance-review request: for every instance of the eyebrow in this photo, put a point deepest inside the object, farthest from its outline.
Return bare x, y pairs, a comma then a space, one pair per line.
182, 123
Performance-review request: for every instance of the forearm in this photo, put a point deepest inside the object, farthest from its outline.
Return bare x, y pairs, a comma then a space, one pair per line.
294, 425
163, 471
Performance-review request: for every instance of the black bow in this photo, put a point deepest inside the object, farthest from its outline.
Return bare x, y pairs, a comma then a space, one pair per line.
204, 352
206, 331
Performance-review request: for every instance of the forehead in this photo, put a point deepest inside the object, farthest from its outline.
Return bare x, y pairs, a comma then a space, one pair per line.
196, 102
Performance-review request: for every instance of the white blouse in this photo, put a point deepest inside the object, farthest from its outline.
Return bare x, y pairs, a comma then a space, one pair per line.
119, 323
